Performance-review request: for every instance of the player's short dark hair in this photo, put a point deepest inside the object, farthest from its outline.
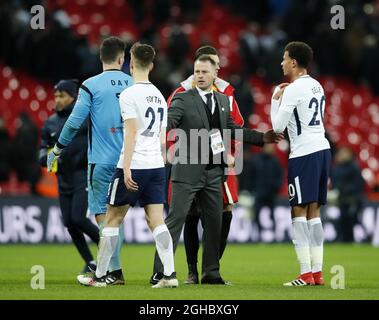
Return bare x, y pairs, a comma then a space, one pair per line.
143, 53
111, 48
205, 50
206, 57
301, 52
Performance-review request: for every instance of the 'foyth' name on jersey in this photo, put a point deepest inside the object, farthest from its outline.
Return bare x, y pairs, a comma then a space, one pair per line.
153, 99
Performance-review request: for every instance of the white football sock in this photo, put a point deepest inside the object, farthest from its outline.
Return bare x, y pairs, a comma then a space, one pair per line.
301, 241
107, 245
317, 243
163, 242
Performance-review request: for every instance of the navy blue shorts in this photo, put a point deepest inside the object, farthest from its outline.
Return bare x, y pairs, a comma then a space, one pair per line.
151, 188
308, 178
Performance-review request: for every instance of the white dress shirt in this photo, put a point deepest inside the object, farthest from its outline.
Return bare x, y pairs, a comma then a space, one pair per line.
203, 96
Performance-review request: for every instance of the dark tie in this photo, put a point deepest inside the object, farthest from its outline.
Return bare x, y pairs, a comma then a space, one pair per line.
209, 101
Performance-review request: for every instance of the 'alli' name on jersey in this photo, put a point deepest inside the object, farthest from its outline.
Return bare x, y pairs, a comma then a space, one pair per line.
316, 90
153, 99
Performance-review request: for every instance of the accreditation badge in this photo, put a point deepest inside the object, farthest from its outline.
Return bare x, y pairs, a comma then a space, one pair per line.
217, 144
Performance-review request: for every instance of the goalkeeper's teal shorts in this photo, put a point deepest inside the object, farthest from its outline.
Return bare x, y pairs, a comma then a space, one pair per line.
99, 178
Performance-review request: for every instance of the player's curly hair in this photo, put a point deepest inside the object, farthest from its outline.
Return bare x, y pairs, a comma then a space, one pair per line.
301, 52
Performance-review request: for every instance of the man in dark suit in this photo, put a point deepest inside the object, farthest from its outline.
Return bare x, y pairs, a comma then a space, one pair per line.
195, 170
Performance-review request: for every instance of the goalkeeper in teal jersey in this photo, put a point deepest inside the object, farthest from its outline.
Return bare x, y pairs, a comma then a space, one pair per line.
98, 102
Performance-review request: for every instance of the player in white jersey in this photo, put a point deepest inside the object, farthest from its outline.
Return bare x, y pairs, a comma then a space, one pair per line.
299, 107
140, 174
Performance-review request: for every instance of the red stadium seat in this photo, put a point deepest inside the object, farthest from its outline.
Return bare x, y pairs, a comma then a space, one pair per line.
351, 116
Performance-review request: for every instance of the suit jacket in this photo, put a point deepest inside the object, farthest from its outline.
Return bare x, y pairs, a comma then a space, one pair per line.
188, 112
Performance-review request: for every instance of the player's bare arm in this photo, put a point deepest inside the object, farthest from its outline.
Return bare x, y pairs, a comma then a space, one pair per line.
130, 135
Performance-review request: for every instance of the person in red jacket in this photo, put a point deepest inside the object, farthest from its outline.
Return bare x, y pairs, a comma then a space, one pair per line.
230, 186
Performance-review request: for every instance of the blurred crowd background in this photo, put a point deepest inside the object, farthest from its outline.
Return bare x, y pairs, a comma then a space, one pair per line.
250, 37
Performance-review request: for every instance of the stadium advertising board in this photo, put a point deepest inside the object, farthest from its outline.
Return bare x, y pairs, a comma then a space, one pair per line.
38, 220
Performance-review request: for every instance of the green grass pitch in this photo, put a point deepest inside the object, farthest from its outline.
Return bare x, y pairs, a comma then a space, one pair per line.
256, 271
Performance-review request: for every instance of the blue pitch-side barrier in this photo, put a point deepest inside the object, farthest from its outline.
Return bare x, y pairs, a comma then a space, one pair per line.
38, 220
